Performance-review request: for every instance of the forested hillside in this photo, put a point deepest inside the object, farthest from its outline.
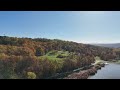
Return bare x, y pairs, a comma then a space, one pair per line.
23, 58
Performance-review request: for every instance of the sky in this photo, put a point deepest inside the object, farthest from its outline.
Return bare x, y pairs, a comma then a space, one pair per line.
78, 26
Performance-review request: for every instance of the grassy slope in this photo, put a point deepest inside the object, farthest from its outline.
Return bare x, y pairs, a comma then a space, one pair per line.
54, 56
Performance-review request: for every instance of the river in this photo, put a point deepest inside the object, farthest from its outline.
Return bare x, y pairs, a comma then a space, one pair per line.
110, 71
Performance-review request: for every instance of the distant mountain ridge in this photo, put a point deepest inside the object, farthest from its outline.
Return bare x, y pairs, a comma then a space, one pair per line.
110, 45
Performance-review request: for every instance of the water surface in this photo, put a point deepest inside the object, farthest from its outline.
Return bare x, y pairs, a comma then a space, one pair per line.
111, 71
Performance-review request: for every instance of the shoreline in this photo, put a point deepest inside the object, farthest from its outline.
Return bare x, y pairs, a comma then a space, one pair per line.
115, 61
85, 74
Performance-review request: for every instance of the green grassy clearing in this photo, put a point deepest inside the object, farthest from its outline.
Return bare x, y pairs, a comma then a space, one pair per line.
52, 55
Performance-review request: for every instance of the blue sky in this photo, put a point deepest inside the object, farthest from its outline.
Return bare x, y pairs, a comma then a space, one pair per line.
78, 26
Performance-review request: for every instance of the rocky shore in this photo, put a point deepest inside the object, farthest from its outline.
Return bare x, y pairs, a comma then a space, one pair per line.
84, 74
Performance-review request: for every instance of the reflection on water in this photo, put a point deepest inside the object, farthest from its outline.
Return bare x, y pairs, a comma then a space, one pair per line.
111, 71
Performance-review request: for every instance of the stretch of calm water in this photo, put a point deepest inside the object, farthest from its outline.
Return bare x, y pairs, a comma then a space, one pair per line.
111, 71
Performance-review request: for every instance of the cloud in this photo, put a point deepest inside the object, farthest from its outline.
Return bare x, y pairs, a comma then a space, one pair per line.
90, 12
93, 12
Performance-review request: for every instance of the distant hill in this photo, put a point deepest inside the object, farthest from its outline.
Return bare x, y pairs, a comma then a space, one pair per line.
112, 45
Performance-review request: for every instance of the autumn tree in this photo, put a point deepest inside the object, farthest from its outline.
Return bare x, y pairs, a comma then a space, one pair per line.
39, 51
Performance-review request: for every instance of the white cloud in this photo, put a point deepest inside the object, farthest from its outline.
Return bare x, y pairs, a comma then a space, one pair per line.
90, 12
93, 12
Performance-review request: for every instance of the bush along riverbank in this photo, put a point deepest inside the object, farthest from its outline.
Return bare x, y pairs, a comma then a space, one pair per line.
84, 74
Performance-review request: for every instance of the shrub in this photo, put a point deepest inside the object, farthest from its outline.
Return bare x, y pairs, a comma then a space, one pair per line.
61, 56
31, 75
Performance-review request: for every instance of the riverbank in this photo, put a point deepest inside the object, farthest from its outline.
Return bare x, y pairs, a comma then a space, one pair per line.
81, 73
84, 74
115, 61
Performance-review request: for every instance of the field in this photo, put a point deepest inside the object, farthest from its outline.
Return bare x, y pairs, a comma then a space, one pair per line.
56, 55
